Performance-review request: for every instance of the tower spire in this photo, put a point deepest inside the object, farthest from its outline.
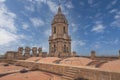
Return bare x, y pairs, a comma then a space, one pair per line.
59, 10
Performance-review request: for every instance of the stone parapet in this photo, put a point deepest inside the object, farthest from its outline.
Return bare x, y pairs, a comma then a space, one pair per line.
84, 72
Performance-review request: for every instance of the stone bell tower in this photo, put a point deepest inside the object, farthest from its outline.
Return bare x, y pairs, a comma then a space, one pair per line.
59, 41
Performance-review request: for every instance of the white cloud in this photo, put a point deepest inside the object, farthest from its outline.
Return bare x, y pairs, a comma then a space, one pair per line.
44, 48
30, 8
114, 2
111, 4
117, 16
6, 37
69, 5
90, 2
96, 45
52, 5
116, 22
7, 25
82, 3
8, 29
37, 22
48, 32
98, 28
7, 18
113, 11
77, 43
2, 1
74, 27
116, 41
25, 26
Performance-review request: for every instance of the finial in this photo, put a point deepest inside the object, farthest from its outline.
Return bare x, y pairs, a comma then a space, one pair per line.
59, 10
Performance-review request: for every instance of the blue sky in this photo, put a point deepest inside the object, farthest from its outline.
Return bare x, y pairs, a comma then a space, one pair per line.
93, 24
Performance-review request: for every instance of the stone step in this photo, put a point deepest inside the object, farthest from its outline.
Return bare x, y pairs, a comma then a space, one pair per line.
72, 70
68, 78
70, 73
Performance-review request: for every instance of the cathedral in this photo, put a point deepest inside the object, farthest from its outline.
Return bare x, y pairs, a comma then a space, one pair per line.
59, 41
60, 63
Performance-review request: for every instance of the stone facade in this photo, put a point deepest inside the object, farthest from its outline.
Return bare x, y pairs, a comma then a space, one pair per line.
59, 41
20, 53
40, 52
11, 55
27, 52
34, 51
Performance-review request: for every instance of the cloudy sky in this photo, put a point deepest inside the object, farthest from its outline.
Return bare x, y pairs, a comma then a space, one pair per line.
93, 24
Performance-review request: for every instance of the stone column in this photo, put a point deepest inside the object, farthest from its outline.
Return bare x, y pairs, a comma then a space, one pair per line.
20, 53
93, 55
27, 52
40, 52
34, 51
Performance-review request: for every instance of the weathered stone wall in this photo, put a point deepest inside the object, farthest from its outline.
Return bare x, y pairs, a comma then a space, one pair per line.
84, 72
11, 61
24, 53
11, 55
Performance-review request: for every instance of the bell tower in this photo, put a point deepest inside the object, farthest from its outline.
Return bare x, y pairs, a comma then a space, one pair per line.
59, 41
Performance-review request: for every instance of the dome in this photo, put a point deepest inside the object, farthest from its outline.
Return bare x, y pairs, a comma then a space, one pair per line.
111, 66
59, 17
76, 61
33, 59
49, 59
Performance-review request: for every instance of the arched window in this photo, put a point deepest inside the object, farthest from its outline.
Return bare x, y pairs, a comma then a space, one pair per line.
64, 48
54, 30
64, 29
67, 49
52, 49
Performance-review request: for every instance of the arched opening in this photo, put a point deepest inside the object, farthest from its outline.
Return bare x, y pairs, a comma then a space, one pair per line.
64, 48
54, 30
67, 50
64, 29
54, 48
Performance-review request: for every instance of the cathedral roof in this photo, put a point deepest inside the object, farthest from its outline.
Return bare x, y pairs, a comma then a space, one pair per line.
59, 17
76, 61
49, 59
33, 59
111, 66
